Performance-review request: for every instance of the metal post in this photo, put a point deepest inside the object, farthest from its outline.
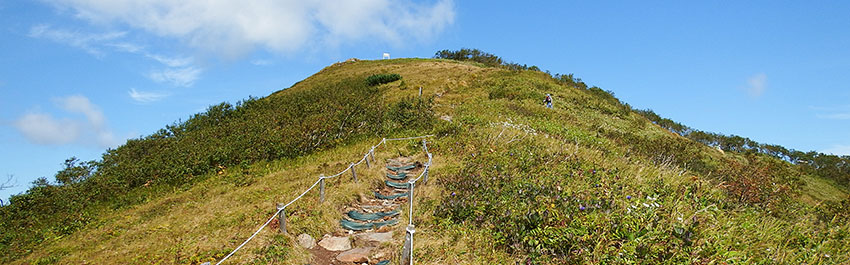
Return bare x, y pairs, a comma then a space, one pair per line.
372, 154
353, 173
410, 186
367, 161
420, 91
281, 217
407, 250
322, 188
424, 148
425, 180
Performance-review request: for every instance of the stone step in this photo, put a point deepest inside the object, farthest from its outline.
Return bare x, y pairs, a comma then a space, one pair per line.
372, 239
335, 243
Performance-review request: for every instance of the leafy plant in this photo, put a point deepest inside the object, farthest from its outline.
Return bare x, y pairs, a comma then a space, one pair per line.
378, 79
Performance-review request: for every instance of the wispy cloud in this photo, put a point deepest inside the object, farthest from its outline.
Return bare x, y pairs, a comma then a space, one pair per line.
43, 128
145, 96
835, 112
835, 116
92, 43
756, 85
126, 47
232, 28
837, 149
183, 77
170, 61
261, 62
178, 71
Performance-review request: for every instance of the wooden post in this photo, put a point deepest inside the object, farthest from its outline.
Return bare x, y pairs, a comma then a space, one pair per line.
281, 217
372, 154
367, 161
353, 173
322, 188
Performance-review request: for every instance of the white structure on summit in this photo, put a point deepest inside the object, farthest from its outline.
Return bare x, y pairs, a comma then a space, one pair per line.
386, 55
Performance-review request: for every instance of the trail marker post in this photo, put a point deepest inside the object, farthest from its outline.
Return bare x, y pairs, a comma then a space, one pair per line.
281, 217
322, 188
407, 251
353, 173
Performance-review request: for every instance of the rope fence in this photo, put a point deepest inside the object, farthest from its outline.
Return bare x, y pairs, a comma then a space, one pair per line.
407, 250
281, 210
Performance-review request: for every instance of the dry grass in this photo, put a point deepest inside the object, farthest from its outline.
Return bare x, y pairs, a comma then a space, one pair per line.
211, 217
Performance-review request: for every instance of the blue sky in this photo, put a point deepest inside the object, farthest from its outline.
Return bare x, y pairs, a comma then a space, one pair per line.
81, 76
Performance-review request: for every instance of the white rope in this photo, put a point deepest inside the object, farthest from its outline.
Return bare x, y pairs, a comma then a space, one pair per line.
410, 138
384, 140
302, 194
252, 236
427, 166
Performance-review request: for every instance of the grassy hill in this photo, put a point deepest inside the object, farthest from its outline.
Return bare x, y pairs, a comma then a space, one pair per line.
589, 181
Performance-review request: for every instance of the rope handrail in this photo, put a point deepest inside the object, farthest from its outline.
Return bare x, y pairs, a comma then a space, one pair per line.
350, 166
252, 237
302, 194
427, 166
409, 138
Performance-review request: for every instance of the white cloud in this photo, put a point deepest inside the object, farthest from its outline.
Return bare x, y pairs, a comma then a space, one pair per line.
261, 62
43, 128
145, 97
81, 104
184, 77
837, 149
232, 28
756, 85
89, 42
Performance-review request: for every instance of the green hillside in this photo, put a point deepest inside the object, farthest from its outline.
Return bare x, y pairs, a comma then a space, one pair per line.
588, 181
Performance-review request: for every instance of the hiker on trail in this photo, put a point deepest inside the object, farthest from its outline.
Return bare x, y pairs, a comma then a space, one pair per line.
548, 101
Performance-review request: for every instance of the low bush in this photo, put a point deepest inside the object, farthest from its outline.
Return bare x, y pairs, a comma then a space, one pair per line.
378, 79
284, 125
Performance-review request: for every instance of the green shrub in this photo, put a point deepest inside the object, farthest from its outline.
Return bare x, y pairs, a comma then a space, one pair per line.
288, 124
377, 79
412, 112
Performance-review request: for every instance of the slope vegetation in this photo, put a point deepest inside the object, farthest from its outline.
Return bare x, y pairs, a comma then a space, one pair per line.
589, 181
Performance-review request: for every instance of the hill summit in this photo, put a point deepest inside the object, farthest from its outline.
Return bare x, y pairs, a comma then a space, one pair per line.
590, 180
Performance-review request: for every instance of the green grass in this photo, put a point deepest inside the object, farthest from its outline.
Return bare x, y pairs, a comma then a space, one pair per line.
587, 182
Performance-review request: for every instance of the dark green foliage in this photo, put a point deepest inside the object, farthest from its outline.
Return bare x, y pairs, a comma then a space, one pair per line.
75, 171
377, 79
474, 55
287, 124
827, 166
412, 112
835, 212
